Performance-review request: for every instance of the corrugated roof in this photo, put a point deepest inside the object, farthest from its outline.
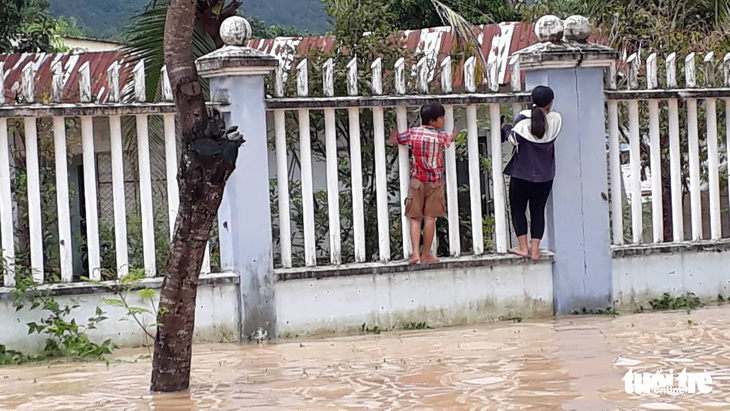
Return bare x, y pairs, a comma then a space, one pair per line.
498, 43
99, 63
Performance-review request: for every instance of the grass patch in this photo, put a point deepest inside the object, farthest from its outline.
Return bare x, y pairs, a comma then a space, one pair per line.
686, 301
416, 326
365, 329
608, 311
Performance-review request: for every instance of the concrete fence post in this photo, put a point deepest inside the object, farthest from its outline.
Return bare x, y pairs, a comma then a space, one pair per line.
578, 211
236, 75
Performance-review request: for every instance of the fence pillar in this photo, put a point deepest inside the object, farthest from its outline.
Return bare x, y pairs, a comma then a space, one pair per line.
578, 210
236, 75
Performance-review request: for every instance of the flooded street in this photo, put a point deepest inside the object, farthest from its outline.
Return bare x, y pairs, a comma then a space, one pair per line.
575, 362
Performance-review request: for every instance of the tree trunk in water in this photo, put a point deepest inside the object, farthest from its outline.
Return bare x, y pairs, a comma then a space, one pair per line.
201, 180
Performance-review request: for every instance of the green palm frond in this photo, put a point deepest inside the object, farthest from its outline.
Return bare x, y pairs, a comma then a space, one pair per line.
145, 37
722, 13
462, 29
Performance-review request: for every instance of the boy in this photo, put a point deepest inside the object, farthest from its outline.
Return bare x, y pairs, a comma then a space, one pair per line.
426, 198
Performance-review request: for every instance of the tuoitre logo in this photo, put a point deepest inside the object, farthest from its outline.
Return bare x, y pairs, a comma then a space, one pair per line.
667, 383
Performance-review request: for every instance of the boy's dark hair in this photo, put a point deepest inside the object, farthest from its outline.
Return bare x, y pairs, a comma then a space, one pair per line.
431, 112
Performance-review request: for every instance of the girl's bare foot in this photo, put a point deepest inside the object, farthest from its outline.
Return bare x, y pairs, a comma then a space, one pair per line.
536, 254
519, 251
415, 259
429, 258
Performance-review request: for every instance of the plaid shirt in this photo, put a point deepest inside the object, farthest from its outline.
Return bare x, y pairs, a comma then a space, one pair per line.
427, 162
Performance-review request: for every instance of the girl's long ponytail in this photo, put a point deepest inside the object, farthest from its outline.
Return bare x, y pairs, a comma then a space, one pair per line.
541, 97
538, 122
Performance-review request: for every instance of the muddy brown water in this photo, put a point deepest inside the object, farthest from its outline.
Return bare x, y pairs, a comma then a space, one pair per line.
575, 362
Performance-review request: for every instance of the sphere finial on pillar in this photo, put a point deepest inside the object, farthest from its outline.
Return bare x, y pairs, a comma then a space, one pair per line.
235, 58
564, 44
235, 30
577, 28
549, 28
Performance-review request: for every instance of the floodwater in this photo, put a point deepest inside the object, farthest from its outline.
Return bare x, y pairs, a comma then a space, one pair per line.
575, 362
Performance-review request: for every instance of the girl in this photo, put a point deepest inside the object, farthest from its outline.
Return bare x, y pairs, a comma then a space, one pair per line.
532, 168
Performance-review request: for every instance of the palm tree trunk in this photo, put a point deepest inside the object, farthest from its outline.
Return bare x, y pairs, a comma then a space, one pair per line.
201, 181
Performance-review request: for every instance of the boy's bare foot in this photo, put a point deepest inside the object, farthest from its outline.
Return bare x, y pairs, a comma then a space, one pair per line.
429, 258
535, 254
415, 259
519, 251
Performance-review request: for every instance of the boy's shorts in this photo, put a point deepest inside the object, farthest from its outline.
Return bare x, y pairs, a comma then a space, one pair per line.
425, 199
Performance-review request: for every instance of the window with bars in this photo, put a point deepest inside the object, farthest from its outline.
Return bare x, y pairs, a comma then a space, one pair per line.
104, 179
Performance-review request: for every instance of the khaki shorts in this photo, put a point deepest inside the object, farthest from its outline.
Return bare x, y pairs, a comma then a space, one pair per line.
425, 199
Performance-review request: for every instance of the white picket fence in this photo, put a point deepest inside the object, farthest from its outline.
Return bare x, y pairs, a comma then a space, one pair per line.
89, 115
669, 116
669, 132
485, 95
490, 95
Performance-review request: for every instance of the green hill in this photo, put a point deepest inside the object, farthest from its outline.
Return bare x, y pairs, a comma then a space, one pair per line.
107, 19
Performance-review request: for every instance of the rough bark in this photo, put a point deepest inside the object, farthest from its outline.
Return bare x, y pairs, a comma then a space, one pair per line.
201, 180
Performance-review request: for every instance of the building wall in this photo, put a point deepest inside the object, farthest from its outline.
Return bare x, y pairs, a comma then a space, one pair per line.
86, 45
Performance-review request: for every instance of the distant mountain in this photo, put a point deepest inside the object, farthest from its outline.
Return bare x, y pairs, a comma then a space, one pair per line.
108, 18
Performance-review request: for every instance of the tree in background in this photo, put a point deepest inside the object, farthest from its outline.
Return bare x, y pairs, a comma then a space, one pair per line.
65, 27
25, 26
259, 30
418, 14
650, 25
107, 19
68, 26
